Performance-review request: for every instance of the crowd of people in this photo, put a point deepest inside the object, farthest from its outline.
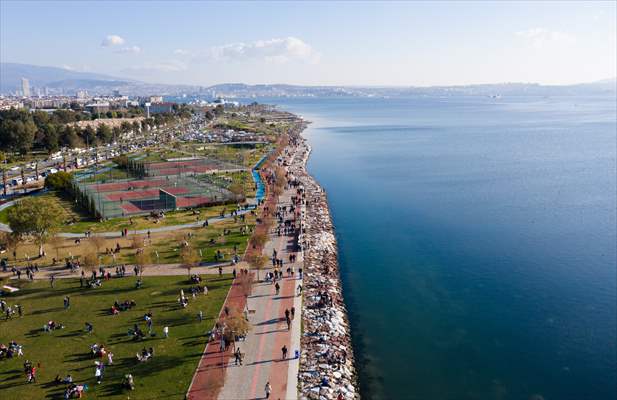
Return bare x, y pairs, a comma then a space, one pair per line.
12, 350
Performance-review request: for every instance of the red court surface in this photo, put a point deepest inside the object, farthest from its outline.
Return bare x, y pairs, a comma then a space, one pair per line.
144, 194
113, 187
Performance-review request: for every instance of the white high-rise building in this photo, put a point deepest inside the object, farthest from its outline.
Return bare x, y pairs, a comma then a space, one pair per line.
25, 87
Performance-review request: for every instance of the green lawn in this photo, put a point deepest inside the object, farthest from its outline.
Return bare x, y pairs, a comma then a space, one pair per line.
70, 209
64, 351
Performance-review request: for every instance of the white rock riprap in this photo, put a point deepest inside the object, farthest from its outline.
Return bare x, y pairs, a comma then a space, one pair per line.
327, 368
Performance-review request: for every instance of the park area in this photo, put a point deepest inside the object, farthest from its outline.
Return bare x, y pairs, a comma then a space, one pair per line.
60, 352
218, 242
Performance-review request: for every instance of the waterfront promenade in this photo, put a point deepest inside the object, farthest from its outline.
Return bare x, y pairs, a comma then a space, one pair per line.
218, 376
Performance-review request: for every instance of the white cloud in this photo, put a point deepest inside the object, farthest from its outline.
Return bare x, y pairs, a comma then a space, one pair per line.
165, 66
112, 40
272, 50
129, 49
541, 37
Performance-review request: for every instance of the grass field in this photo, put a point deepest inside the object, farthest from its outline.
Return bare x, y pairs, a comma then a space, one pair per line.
166, 244
70, 210
166, 376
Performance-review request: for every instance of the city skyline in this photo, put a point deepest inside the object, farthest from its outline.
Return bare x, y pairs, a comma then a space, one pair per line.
385, 44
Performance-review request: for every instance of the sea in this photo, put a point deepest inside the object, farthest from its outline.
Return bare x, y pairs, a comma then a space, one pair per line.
477, 241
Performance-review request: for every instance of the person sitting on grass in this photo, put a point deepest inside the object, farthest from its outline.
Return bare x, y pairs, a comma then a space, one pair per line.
88, 327
144, 356
128, 382
52, 325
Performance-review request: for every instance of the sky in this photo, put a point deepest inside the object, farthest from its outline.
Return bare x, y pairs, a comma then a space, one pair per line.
317, 43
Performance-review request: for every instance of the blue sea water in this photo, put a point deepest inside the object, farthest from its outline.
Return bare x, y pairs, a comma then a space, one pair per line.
477, 242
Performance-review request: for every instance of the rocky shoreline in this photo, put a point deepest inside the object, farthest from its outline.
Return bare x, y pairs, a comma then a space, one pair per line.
327, 366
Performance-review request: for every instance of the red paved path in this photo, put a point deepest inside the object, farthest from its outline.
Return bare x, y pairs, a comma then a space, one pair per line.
210, 374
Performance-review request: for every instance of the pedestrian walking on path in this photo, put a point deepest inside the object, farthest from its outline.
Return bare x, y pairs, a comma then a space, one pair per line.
284, 351
268, 390
238, 356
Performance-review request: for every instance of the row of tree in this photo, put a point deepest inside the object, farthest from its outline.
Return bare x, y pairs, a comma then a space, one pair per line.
22, 131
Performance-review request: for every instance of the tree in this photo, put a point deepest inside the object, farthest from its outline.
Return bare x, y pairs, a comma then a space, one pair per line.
89, 261
126, 126
137, 242
56, 242
258, 262
116, 131
122, 161
237, 325
189, 258
36, 217
50, 138
98, 242
142, 260
69, 137
89, 135
237, 189
12, 242
61, 181
104, 133
259, 239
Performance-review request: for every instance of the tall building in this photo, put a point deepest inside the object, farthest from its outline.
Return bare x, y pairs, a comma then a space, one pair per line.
25, 87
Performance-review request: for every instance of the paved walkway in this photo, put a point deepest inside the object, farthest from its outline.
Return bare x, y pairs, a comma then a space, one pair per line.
262, 361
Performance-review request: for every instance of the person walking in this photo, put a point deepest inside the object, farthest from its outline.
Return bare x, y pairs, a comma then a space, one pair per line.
166, 331
293, 312
268, 390
98, 374
284, 351
277, 287
238, 356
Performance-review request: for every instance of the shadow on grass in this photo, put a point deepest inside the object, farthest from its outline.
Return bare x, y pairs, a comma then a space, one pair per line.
71, 334
139, 369
49, 310
79, 357
34, 332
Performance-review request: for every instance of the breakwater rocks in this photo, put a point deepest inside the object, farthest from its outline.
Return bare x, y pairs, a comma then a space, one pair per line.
326, 365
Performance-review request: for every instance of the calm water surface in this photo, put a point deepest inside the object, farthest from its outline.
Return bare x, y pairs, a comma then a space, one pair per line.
477, 242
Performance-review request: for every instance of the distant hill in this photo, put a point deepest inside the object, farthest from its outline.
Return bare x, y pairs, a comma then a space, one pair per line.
71, 81
11, 74
607, 86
